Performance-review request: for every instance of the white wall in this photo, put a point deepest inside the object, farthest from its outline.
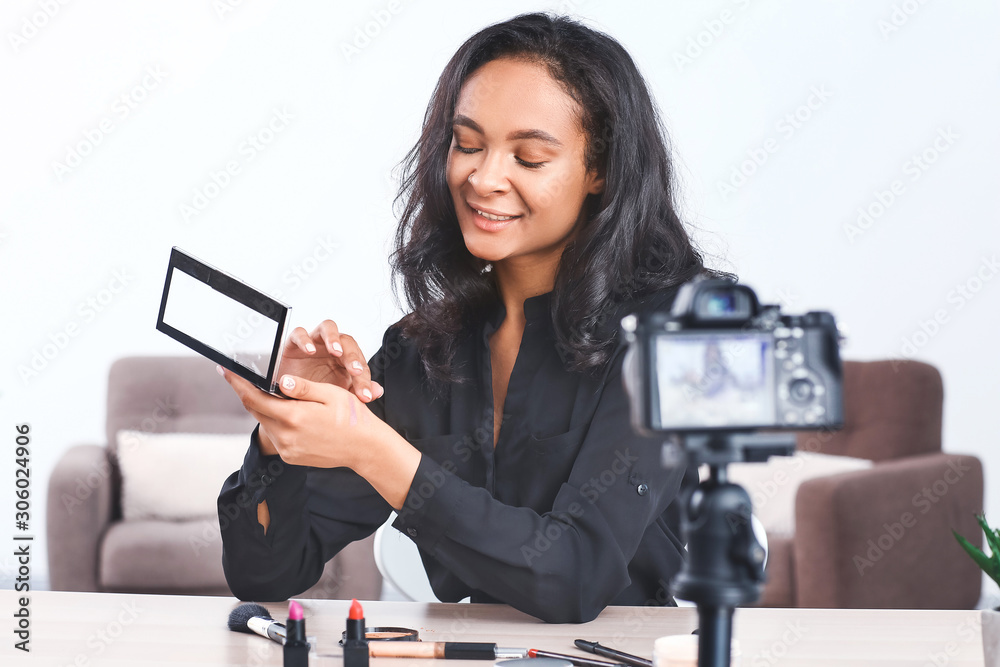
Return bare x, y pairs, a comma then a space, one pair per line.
888, 91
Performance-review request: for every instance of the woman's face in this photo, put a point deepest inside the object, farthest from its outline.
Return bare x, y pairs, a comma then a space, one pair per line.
516, 167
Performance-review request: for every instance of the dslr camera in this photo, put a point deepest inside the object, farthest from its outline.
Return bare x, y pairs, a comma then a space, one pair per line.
721, 362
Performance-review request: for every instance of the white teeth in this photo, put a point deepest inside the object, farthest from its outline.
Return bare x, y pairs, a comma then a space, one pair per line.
494, 218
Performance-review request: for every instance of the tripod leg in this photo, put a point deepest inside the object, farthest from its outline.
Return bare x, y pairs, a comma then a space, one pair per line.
715, 634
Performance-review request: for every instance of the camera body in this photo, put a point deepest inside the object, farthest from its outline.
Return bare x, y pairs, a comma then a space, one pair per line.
721, 362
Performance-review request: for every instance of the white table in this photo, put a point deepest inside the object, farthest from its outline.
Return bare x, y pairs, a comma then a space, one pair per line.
83, 629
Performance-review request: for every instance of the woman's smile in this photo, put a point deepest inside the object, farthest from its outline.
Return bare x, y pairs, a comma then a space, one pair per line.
490, 221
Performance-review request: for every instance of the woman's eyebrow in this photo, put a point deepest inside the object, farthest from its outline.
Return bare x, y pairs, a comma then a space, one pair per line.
541, 135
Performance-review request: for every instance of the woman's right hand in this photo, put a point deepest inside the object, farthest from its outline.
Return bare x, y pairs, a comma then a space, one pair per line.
326, 355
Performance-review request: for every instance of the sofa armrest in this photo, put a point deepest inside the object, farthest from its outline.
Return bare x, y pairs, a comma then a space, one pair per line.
78, 513
881, 538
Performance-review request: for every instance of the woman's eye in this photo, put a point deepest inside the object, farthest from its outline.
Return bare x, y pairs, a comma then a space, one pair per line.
524, 163
529, 165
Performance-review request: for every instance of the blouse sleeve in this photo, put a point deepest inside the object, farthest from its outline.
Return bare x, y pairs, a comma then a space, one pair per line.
315, 512
567, 564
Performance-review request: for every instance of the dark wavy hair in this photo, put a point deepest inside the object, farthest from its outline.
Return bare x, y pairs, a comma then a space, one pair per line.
630, 242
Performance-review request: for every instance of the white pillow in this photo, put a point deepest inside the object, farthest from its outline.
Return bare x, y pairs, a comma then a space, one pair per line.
772, 485
176, 476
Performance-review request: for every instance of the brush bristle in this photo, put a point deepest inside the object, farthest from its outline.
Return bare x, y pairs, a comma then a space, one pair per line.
238, 617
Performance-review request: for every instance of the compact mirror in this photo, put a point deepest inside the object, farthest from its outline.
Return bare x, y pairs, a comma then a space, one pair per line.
222, 318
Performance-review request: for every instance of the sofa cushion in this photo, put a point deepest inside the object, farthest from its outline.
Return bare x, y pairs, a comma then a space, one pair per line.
175, 476
163, 557
772, 485
171, 395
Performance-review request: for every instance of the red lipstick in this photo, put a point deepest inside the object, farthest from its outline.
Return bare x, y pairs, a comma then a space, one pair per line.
355, 644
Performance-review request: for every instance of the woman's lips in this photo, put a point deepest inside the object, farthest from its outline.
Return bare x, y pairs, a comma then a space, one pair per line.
488, 224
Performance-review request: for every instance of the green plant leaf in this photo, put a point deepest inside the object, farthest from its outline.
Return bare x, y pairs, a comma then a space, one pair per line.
993, 539
981, 559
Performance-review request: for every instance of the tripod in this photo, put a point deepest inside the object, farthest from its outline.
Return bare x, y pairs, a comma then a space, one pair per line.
725, 564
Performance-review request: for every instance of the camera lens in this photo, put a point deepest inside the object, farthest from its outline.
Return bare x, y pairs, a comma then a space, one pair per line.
801, 390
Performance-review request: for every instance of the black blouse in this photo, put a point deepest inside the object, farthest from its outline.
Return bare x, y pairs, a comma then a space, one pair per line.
572, 511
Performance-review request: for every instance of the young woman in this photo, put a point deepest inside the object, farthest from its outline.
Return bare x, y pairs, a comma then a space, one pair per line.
538, 211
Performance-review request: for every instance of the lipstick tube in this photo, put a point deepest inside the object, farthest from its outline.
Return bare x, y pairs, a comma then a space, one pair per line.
296, 649
355, 644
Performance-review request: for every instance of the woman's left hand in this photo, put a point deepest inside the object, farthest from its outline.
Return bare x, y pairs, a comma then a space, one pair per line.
326, 427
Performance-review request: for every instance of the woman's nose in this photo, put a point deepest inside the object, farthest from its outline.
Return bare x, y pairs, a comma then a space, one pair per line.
490, 175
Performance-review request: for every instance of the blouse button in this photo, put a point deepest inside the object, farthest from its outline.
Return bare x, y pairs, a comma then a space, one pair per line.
266, 479
411, 531
642, 489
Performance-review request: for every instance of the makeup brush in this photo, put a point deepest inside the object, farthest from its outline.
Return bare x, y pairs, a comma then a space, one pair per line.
253, 618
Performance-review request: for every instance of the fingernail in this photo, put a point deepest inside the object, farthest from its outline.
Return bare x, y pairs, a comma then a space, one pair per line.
356, 365
338, 348
287, 382
310, 347
379, 389
367, 393
218, 369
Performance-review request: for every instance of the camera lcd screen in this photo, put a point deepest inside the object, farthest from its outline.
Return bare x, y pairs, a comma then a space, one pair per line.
715, 380
222, 318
